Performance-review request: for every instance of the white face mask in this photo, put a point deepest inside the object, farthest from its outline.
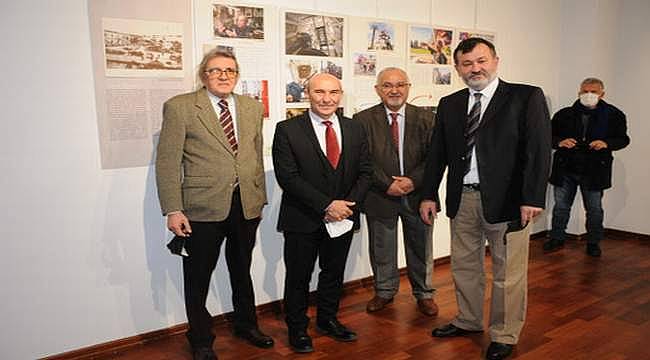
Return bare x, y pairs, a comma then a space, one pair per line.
589, 99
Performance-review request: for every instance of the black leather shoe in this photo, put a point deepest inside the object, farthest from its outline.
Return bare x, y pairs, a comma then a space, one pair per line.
203, 353
593, 250
300, 342
552, 245
451, 330
255, 337
335, 330
498, 351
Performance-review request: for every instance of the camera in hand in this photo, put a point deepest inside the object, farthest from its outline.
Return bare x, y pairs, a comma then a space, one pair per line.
582, 145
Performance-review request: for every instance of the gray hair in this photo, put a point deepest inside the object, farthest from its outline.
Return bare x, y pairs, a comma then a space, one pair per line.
591, 81
214, 53
391, 68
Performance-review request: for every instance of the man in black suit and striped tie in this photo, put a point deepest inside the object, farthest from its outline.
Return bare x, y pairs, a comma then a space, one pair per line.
495, 140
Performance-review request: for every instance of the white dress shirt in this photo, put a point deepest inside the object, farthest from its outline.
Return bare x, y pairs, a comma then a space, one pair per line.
320, 128
231, 107
486, 96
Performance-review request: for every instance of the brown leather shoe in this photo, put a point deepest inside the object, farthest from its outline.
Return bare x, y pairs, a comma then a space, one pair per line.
428, 307
377, 303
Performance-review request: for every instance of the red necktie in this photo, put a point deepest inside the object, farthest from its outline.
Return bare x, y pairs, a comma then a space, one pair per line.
394, 130
228, 127
331, 145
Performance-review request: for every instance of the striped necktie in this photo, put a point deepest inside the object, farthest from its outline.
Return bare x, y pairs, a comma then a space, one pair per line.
228, 126
471, 127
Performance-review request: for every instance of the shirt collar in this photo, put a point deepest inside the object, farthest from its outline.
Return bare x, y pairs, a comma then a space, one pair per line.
319, 120
488, 91
400, 111
215, 99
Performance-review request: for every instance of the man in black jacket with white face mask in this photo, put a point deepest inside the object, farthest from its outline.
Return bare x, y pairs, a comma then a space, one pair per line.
584, 136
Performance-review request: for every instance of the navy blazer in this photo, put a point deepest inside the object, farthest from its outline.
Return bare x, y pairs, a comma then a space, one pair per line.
513, 151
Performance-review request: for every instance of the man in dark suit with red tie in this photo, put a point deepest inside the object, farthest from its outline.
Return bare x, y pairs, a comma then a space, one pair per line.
495, 140
322, 164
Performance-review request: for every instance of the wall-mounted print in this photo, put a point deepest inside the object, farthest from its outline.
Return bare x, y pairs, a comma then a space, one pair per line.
313, 35
430, 46
139, 48
465, 34
300, 71
242, 22
442, 75
256, 89
365, 64
381, 36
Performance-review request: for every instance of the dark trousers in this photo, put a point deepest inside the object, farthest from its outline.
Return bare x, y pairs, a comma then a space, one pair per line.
592, 201
203, 247
300, 253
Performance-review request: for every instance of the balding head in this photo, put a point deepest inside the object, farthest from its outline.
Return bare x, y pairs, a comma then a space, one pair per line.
325, 94
323, 77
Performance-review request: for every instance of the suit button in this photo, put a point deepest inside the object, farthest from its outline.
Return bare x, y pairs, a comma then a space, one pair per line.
462, 158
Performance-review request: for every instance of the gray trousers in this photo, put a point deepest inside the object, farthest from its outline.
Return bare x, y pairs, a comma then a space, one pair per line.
469, 230
418, 244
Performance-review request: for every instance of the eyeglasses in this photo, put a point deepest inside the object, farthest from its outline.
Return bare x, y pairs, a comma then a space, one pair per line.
389, 86
217, 72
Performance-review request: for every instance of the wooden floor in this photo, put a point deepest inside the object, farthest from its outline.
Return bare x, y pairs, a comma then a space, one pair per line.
579, 308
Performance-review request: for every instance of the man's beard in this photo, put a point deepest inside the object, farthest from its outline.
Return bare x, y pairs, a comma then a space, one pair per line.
479, 83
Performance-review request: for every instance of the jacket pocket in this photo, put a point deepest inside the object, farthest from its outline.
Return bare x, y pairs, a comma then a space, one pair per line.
198, 181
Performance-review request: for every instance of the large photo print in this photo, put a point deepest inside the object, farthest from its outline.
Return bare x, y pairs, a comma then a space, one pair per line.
137, 48
242, 22
314, 35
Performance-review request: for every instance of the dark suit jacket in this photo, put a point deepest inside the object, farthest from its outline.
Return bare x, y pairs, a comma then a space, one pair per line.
597, 164
307, 178
385, 158
513, 151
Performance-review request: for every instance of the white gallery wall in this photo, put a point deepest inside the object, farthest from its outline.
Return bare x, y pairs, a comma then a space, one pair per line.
83, 255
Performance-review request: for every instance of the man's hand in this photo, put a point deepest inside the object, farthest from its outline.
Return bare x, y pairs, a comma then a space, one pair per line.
528, 213
405, 184
395, 189
339, 210
428, 211
179, 224
597, 145
568, 143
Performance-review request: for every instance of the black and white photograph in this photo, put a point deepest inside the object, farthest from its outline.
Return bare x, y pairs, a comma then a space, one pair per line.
241, 22
313, 35
142, 48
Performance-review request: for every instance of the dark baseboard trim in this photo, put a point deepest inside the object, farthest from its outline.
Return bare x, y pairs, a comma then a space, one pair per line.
612, 234
275, 307
621, 234
114, 347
